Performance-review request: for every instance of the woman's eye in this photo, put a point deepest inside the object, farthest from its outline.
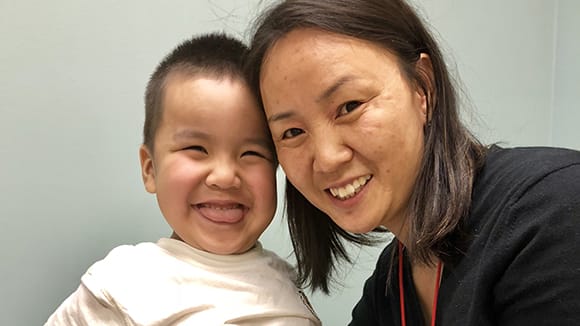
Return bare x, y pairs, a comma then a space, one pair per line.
196, 148
348, 107
291, 133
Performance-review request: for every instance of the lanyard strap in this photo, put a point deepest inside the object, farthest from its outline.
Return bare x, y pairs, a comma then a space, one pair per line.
402, 289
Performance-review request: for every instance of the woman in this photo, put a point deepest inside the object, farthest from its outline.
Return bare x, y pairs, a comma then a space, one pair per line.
366, 126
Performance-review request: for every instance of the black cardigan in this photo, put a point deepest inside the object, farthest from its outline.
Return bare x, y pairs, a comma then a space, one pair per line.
522, 263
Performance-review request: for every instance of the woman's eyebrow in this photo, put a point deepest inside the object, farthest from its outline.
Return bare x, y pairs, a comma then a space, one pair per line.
334, 87
280, 116
324, 95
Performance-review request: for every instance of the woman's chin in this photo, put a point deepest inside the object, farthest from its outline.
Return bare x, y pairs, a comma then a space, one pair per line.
357, 227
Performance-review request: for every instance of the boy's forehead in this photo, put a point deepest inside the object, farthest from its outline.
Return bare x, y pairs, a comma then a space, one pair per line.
176, 80
174, 85
191, 103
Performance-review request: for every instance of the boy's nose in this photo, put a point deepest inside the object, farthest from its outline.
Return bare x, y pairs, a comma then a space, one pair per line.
223, 175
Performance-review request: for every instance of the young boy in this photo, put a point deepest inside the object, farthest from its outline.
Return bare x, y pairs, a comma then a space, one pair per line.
208, 157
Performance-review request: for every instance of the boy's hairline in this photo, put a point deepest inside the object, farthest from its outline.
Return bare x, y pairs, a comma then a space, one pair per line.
215, 55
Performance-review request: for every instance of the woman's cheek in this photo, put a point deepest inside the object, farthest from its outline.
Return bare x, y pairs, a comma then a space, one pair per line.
294, 165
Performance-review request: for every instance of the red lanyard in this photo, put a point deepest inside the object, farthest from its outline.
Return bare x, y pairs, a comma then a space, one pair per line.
402, 292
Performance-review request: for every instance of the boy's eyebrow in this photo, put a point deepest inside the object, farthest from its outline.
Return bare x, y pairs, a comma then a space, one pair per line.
260, 141
190, 133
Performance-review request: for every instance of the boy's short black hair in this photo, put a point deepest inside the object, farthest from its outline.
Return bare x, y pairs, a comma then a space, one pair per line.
215, 55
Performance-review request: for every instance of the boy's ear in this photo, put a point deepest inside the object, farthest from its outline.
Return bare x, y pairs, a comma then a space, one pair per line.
147, 169
425, 70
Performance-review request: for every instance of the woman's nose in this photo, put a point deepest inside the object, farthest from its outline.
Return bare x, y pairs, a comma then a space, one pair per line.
223, 175
330, 151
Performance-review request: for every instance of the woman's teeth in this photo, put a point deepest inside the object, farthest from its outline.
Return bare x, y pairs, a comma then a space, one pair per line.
350, 189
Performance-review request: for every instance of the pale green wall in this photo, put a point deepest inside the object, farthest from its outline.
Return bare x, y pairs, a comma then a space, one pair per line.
566, 114
72, 75
504, 51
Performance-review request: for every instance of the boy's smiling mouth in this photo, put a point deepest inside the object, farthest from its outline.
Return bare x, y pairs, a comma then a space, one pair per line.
228, 213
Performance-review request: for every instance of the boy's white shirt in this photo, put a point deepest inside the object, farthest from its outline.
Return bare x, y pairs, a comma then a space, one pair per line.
171, 283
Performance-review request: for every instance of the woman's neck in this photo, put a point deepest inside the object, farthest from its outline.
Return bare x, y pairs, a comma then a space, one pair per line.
426, 281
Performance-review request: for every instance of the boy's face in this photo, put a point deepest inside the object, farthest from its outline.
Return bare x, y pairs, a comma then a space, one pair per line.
212, 169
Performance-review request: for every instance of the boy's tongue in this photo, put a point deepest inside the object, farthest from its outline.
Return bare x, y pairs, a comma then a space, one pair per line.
222, 213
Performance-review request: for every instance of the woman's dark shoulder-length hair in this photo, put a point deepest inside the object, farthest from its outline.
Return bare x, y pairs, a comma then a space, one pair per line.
442, 193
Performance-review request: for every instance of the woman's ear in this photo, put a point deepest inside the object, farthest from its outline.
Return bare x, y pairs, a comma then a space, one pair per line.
147, 169
424, 69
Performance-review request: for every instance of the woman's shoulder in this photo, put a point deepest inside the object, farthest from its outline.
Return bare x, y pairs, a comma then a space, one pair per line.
510, 172
524, 223
524, 177
528, 161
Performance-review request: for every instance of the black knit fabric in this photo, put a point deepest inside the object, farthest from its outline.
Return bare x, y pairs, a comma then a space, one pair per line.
522, 262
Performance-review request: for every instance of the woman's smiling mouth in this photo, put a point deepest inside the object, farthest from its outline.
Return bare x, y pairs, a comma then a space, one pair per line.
351, 189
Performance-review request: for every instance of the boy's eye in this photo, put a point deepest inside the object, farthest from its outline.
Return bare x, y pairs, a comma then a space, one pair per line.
252, 153
196, 148
259, 155
291, 133
348, 107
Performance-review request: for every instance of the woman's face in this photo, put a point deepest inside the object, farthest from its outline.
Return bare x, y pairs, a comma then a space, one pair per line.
347, 125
